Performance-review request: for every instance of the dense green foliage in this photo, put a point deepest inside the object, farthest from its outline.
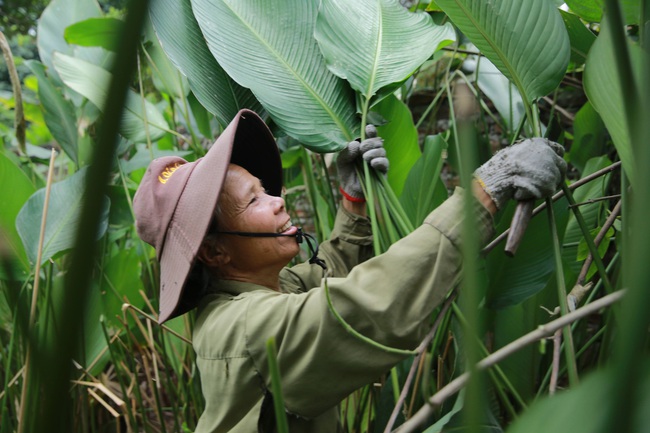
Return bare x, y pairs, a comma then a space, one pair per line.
448, 82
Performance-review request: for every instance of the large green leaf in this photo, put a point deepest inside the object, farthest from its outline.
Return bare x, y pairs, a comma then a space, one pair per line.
424, 190
92, 82
182, 40
374, 43
268, 46
602, 83
59, 113
63, 216
513, 280
583, 409
18, 188
400, 140
58, 15
526, 40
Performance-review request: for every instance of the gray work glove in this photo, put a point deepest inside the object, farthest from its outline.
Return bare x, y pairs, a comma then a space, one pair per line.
371, 150
529, 169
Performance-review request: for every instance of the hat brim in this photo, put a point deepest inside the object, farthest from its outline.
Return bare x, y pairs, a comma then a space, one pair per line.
248, 142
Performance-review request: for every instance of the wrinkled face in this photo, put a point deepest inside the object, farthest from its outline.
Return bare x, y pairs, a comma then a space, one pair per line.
246, 207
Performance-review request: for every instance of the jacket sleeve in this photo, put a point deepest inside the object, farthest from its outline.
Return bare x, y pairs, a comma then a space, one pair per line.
350, 243
389, 299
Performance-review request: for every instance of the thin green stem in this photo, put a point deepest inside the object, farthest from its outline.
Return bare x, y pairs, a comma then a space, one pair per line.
588, 239
562, 297
355, 333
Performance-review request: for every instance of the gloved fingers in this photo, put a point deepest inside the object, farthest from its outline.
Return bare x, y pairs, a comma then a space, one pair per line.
377, 159
371, 131
380, 164
378, 152
557, 148
525, 189
561, 165
536, 184
371, 143
350, 153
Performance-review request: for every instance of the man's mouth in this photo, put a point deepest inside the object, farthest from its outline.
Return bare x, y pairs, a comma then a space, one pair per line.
285, 227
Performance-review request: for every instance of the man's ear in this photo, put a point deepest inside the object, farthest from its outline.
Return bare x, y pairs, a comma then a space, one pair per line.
213, 254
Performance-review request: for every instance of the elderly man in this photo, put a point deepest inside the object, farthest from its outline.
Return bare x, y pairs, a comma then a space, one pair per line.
224, 238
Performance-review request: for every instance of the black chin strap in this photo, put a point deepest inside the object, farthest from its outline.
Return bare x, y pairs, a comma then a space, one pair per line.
299, 238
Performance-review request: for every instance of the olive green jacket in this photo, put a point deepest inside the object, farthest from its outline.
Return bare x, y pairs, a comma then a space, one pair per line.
388, 298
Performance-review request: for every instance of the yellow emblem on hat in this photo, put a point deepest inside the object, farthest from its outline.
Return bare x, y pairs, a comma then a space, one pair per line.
167, 172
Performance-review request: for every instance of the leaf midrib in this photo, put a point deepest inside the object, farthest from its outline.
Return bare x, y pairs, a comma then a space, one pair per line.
277, 55
496, 49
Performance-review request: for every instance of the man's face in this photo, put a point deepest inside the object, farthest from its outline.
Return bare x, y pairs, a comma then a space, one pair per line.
246, 207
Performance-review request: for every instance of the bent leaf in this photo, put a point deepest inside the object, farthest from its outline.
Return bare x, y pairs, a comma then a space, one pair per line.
526, 40
268, 46
424, 189
374, 43
95, 32
602, 83
63, 217
400, 140
59, 113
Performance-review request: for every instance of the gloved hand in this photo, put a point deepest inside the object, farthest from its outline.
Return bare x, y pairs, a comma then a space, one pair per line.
529, 169
372, 150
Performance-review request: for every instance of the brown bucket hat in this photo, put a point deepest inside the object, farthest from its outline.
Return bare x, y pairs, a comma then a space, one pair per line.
176, 199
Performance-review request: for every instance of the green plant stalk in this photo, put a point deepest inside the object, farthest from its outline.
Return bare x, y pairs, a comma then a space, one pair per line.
395, 382
276, 387
569, 351
402, 221
308, 173
588, 239
476, 389
389, 226
372, 214
429, 108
